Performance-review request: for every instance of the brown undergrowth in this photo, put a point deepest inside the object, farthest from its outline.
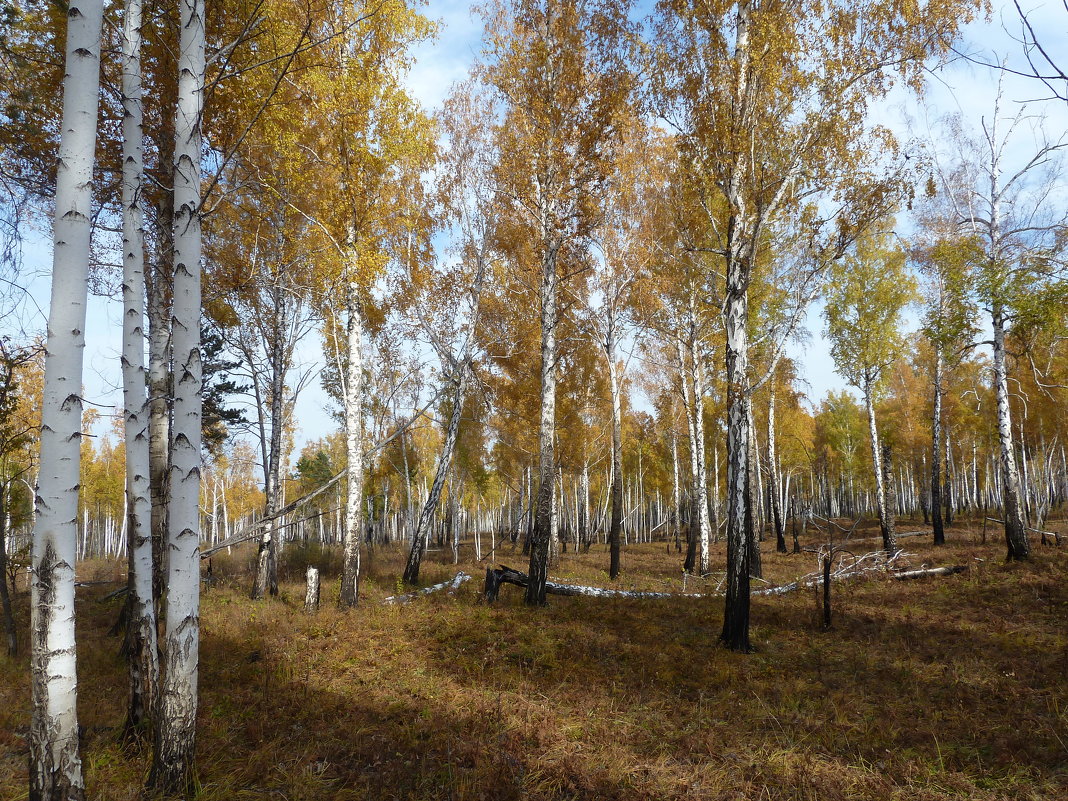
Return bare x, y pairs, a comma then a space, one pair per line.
945, 688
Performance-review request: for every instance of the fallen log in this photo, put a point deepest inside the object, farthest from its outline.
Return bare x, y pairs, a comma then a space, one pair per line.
1028, 528
451, 585
930, 571
495, 577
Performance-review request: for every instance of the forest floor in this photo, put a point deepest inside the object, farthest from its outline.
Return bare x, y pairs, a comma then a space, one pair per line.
939, 688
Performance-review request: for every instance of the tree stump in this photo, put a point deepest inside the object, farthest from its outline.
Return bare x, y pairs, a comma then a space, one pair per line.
311, 599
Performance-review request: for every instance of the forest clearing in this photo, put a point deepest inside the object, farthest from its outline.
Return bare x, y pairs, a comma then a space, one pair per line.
938, 688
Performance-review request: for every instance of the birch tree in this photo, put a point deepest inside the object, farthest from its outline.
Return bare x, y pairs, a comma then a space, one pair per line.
373, 142
141, 611
866, 296
261, 261
768, 100
1019, 279
560, 69
946, 259
172, 763
624, 255
467, 165
21, 374
55, 763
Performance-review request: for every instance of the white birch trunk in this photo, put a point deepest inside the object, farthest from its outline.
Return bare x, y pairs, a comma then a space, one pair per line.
616, 522
350, 574
539, 545
886, 526
774, 489
141, 622
936, 451
172, 767
55, 764
1015, 535
697, 380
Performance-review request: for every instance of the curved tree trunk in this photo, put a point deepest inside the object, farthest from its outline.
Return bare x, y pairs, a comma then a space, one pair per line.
55, 764
426, 517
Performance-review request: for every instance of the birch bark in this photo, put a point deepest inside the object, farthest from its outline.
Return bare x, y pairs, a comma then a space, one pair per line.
886, 526
774, 495
1019, 547
936, 451
172, 767
55, 764
350, 572
616, 524
141, 613
539, 545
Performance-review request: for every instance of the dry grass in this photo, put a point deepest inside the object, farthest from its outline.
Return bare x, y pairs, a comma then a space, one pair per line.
951, 688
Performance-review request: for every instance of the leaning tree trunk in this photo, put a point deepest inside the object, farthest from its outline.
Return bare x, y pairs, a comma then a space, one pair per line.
426, 517
1015, 534
141, 653
55, 764
172, 766
936, 453
350, 571
539, 545
463, 373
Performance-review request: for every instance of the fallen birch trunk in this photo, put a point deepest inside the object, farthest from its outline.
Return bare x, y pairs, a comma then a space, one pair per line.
874, 562
452, 585
495, 577
931, 571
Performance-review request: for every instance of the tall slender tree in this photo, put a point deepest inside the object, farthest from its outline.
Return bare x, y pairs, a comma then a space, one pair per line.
55, 763
468, 198
866, 297
172, 764
561, 69
141, 612
1019, 280
767, 99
